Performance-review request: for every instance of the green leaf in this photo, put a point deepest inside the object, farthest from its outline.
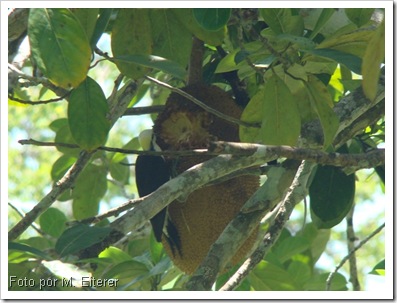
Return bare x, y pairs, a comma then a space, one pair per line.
156, 249
320, 100
79, 237
351, 61
353, 43
59, 45
318, 239
116, 255
267, 276
212, 19
87, 18
131, 35
325, 15
28, 249
373, 57
280, 115
119, 172
379, 269
129, 270
87, 112
100, 26
290, 247
281, 20
304, 43
155, 62
359, 16
171, 39
90, 187
185, 16
300, 272
53, 221
61, 166
63, 135
318, 282
331, 196
275, 107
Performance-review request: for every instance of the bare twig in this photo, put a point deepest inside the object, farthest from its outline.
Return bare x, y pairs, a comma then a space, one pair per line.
351, 238
71, 175
143, 110
370, 159
38, 101
202, 105
347, 257
36, 228
38, 80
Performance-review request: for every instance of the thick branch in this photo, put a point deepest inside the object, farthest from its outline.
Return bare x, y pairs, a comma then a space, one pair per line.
255, 208
370, 159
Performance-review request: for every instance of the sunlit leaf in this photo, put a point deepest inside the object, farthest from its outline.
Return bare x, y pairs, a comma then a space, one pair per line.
373, 57
59, 45
52, 222
87, 111
90, 187
131, 35
321, 100
359, 16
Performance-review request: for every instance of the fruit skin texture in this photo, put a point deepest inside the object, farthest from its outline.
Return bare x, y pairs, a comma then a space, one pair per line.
206, 212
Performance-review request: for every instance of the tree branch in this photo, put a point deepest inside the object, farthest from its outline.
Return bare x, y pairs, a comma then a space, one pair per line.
254, 209
351, 238
118, 107
354, 162
311, 138
347, 257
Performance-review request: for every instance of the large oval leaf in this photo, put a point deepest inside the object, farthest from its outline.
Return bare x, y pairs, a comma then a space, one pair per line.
185, 16
321, 102
59, 45
373, 57
212, 19
52, 222
131, 35
276, 108
281, 122
87, 115
171, 40
331, 196
90, 187
79, 237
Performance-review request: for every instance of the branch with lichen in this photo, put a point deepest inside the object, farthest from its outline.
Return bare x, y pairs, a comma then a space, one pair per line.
353, 162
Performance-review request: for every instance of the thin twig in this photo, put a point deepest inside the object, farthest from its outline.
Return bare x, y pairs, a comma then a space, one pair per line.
202, 105
347, 257
369, 159
37, 102
22, 215
143, 110
351, 238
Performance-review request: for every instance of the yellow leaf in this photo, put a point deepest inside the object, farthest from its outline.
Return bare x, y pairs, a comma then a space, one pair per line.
373, 57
